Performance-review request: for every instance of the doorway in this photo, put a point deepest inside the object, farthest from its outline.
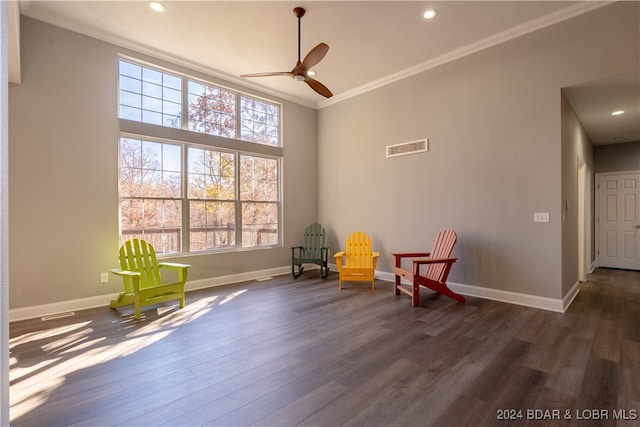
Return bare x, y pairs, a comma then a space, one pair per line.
619, 220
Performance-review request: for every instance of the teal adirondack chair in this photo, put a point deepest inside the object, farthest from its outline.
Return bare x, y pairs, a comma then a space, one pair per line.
143, 283
312, 251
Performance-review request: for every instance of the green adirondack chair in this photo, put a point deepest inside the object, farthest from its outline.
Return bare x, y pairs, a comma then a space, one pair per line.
143, 283
312, 251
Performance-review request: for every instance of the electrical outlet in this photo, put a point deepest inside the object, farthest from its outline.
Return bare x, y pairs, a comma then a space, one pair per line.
541, 217
104, 277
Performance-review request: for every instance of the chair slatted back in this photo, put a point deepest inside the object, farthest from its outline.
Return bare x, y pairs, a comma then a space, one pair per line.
358, 251
138, 255
314, 238
442, 248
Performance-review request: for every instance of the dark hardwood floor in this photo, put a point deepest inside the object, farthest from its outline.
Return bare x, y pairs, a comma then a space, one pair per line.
287, 352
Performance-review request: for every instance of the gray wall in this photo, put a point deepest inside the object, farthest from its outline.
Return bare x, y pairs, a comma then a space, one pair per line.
496, 156
63, 180
617, 157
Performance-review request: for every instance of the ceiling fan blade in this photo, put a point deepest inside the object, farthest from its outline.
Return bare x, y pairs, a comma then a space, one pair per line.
318, 87
275, 73
315, 55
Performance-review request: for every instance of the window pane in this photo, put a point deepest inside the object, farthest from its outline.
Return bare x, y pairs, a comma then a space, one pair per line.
152, 76
259, 224
171, 158
151, 190
173, 95
129, 69
152, 89
152, 117
260, 121
157, 221
212, 225
130, 113
171, 184
211, 174
156, 95
258, 178
172, 82
130, 99
211, 110
151, 104
130, 84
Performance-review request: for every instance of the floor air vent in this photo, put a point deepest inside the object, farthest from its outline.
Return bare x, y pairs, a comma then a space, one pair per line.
412, 147
58, 315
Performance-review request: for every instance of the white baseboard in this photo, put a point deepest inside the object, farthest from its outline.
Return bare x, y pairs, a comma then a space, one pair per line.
534, 301
552, 304
36, 311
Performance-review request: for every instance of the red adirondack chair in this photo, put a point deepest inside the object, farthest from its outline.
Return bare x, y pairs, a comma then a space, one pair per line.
438, 263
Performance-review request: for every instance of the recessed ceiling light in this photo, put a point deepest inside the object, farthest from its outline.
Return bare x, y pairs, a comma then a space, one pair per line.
617, 113
311, 73
157, 6
430, 14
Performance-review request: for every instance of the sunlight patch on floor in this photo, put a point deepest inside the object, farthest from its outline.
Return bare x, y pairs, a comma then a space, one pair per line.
230, 297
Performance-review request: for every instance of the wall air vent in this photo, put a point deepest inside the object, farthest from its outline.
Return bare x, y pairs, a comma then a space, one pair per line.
412, 147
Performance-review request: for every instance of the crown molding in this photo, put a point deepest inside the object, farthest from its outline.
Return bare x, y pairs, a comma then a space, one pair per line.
512, 33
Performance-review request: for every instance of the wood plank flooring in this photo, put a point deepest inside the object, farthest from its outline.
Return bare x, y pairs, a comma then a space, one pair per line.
301, 352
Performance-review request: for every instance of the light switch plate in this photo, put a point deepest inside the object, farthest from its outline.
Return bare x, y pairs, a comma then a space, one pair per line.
541, 217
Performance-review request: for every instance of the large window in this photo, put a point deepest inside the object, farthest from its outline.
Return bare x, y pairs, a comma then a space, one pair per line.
193, 195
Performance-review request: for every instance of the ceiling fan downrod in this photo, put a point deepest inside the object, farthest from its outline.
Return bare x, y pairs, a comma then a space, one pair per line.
299, 12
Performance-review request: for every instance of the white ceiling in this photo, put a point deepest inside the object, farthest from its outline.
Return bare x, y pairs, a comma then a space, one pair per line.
371, 43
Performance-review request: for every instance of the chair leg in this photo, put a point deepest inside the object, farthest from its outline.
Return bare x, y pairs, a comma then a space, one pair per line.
137, 314
397, 285
415, 295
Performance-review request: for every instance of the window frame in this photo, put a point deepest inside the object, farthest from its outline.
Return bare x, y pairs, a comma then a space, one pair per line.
186, 138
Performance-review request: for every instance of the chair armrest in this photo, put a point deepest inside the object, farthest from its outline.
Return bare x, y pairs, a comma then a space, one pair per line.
338, 254
425, 261
125, 273
411, 254
295, 247
375, 254
434, 261
173, 265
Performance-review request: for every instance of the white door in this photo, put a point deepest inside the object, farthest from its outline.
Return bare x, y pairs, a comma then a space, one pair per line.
619, 220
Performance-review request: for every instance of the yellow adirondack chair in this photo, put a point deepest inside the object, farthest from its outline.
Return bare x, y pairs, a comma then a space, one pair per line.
143, 283
357, 262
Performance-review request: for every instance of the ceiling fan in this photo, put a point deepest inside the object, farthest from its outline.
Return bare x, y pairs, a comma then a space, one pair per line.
301, 71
